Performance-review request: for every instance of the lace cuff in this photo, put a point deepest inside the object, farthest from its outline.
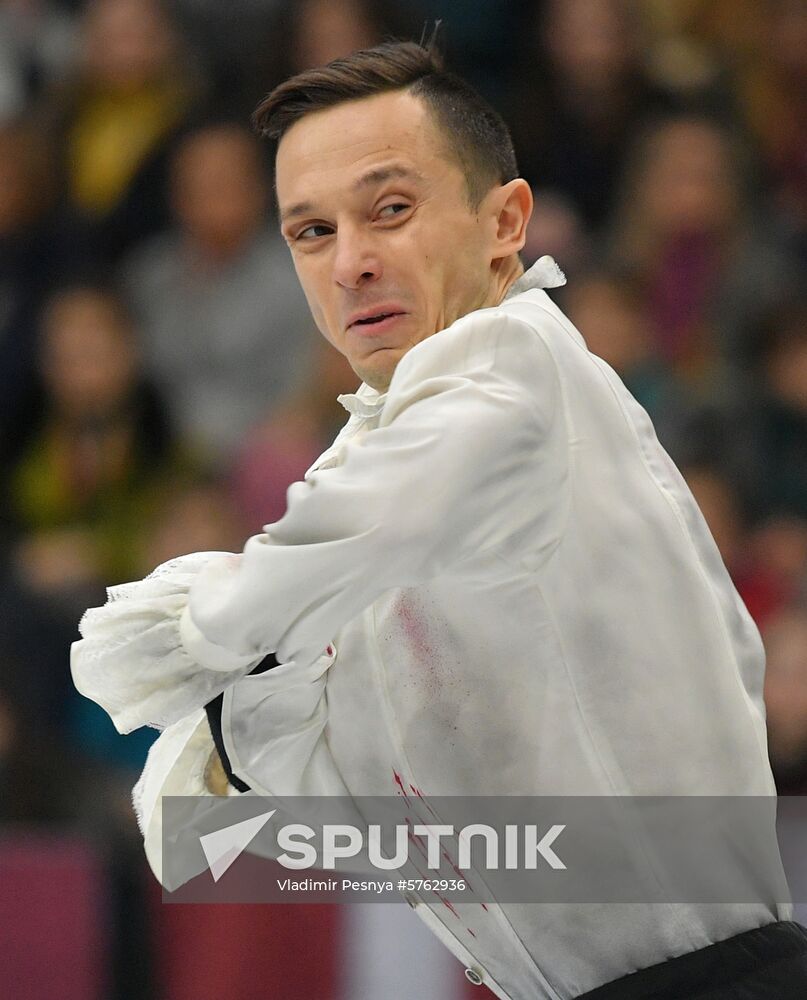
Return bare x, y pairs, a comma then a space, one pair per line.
131, 658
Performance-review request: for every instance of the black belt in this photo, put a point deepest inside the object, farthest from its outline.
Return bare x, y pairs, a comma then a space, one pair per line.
766, 963
213, 709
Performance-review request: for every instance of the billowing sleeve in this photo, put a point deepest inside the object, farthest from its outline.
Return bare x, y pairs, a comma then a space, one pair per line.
469, 453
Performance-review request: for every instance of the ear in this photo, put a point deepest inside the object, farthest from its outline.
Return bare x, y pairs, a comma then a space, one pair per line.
512, 207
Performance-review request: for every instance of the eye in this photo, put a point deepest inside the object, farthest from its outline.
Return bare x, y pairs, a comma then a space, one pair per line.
316, 230
390, 210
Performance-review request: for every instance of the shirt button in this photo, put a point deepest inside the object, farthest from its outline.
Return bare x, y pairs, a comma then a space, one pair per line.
474, 976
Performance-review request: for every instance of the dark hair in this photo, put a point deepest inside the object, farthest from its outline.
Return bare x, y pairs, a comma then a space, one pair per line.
476, 134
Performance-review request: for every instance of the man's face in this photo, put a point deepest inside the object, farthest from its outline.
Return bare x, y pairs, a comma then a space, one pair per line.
385, 243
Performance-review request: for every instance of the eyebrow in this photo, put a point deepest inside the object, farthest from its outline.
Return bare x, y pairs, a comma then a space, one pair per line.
381, 174
375, 176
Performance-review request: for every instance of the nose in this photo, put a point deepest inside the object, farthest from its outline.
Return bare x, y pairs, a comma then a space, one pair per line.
356, 262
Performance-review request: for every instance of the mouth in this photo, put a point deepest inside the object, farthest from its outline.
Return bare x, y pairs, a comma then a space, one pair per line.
374, 319
376, 322
371, 317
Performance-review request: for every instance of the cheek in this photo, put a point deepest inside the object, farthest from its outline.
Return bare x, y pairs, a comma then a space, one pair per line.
312, 289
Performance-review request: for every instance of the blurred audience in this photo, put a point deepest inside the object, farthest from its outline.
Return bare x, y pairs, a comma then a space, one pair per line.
279, 451
764, 45
773, 449
80, 475
611, 310
683, 224
189, 515
115, 119
28, 263
226, 328
762, 436
84, 472
766, 582
578, 95
786, 700
302, 34
199, 516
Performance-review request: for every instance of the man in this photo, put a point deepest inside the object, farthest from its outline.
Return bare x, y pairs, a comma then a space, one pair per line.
495, 582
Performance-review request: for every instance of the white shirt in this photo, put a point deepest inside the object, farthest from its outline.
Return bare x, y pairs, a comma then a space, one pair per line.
506, 588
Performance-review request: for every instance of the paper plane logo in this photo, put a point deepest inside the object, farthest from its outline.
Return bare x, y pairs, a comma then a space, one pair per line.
222, 847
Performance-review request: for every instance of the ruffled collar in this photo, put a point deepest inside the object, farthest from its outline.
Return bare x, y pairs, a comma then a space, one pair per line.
544, 273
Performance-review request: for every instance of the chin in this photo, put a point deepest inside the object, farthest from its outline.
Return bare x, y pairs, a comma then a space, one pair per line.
380, 375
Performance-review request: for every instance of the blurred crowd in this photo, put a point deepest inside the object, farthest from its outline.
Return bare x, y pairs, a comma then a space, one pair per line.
161, 379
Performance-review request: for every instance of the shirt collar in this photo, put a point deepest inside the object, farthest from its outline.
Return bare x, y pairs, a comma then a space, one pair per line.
365, 402
544, 273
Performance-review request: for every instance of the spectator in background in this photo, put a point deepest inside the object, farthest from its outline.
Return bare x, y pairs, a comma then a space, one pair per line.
763, 43
579, 93
280, 450
683, 226
116, 119
225, 324
83, 475
83, 485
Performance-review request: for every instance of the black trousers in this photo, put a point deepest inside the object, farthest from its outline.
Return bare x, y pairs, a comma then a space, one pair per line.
767, 963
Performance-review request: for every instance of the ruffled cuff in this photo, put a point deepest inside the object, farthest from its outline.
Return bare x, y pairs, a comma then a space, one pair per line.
132, 659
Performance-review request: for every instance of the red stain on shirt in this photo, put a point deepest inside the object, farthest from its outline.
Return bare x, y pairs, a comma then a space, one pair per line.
418, 842
419, 794
415, 630
399, 783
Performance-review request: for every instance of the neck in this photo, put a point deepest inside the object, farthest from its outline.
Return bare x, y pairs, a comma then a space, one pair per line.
503, 277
